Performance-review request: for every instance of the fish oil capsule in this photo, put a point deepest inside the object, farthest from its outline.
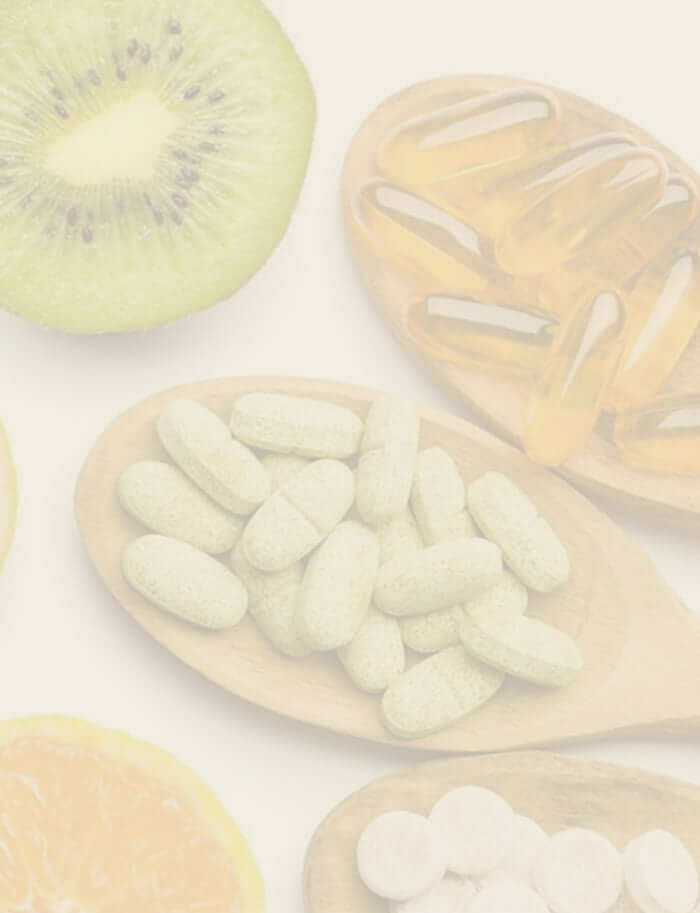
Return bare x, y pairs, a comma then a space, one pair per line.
620, 258
486, 128
488, 335
661, 436
664, 314
570, 392
589, 207
494, 196
423, 237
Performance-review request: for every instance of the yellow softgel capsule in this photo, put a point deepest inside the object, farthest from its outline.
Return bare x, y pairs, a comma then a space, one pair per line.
590, 206
664, 315
662, 436
491, 335
570, 391
423, 237
482, 129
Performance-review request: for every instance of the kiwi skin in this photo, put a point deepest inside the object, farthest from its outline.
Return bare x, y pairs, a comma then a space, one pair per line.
134, 253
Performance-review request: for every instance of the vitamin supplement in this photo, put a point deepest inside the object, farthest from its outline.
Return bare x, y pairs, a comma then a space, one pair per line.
387, 460
400, 856
487, 334
495, 196
431, 633
164, 500
660, 874
663, 436
272, 600
530, 841
525, 648
185, 582
398, 536
637, 242
480, 130
202, 446
296, 425
508, 895
281, 467
437, 577
438, 498
438, 692
531, 548
592, 204
423, 238
579, 871
451, 895
571, 389
478, 828
507, 598
299, 515
664, 315
375, 657
336, 590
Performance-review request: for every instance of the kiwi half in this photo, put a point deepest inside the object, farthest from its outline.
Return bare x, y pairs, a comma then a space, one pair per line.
151, 154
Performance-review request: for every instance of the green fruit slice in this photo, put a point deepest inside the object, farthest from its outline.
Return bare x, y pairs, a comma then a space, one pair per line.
151, 154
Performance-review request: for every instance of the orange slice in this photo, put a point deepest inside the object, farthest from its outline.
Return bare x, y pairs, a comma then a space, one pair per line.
93, 821
8, 497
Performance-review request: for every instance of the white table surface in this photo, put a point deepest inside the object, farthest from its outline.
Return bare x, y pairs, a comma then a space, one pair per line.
65, 647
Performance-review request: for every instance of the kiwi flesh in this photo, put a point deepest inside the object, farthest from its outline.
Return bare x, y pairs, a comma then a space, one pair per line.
151, 155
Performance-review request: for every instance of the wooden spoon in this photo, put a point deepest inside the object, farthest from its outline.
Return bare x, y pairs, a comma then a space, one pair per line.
557, 791
502, 402
639, 642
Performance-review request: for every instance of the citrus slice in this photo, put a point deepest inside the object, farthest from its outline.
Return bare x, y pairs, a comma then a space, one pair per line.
8, 497
93, 821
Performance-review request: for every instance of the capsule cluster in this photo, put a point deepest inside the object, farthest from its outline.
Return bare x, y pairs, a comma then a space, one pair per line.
544, 250
342, 536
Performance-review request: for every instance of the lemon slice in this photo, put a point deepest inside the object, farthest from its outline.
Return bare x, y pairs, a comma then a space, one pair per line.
8, 497
96, 822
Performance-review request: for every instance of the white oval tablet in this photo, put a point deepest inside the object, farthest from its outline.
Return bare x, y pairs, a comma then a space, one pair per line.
451, 895
438, 498
437, 577
387, 459
400, 856
661, 874
437, 692
478, 828
525, 648
531, 548
431, 633
398, 537
530, 840
337, 587
202, 446
508, 896
295, 424
185, 582
297, 517
281, 467
164, 500
508, 597
579, 871
375, 657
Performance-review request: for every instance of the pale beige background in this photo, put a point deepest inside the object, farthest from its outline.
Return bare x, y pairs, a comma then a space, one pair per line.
64, 646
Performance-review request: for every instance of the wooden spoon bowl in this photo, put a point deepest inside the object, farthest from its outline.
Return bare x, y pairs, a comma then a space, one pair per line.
502, 401
639, 642
557, 791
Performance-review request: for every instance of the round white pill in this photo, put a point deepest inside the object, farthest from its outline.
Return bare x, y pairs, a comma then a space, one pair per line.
478, 828
400, 856
661, 874
451, 895
508, 896
579, 871
530, 840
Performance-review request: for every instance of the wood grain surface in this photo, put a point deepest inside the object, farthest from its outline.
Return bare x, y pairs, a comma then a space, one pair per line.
557, 791
640, 644
502, 402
